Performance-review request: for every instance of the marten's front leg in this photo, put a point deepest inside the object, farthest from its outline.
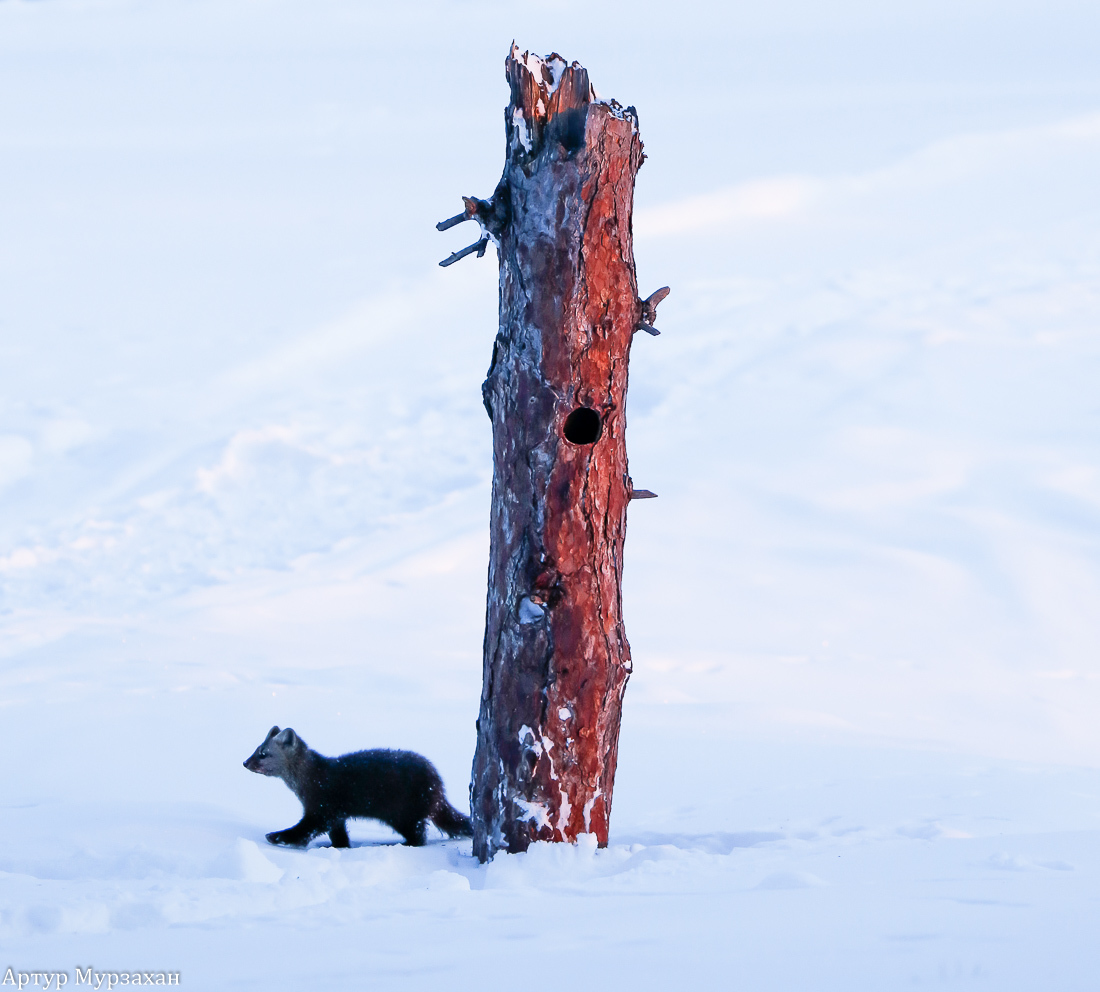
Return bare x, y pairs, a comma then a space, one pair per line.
299, 835
338, 834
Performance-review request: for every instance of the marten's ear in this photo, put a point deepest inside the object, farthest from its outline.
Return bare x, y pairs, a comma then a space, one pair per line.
286, 738
271, 733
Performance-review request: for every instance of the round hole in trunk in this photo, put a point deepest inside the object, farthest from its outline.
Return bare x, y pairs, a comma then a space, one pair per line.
583, 426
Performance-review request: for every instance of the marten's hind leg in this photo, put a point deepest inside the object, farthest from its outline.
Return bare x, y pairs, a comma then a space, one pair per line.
338, 834
414, 832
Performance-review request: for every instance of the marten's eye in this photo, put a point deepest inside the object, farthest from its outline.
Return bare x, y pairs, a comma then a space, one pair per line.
263, 754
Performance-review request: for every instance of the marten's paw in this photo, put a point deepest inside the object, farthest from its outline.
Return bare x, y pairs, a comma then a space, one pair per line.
287, 837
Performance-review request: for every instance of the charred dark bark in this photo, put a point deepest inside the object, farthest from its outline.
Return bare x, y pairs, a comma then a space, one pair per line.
556, 657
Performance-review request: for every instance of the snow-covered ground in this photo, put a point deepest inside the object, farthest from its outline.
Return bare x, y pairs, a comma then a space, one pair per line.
244, 480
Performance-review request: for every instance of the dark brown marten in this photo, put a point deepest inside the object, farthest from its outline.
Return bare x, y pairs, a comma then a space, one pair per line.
400, 788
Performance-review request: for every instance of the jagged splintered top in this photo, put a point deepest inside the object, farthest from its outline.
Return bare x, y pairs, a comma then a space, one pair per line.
546, 90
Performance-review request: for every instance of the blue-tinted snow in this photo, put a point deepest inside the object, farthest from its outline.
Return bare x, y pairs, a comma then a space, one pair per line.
244, 480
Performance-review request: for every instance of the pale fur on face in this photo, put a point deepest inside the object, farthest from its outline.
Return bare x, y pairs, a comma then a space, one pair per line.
275, 756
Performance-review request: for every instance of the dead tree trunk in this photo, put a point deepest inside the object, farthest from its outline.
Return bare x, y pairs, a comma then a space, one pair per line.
556, 656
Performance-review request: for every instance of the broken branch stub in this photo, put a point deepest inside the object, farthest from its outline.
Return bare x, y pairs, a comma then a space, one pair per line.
556, 657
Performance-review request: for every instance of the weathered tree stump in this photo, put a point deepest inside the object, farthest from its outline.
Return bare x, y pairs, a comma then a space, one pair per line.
556, 656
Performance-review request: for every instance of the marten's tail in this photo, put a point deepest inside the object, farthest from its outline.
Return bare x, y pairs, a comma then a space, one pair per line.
451, 821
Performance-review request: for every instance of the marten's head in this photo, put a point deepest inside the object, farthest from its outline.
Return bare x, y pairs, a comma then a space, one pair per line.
276, 755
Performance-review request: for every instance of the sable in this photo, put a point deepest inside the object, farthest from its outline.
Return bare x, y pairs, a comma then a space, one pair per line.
400, 788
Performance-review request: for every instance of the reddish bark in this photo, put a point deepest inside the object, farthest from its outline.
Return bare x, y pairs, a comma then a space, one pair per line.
556, 656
